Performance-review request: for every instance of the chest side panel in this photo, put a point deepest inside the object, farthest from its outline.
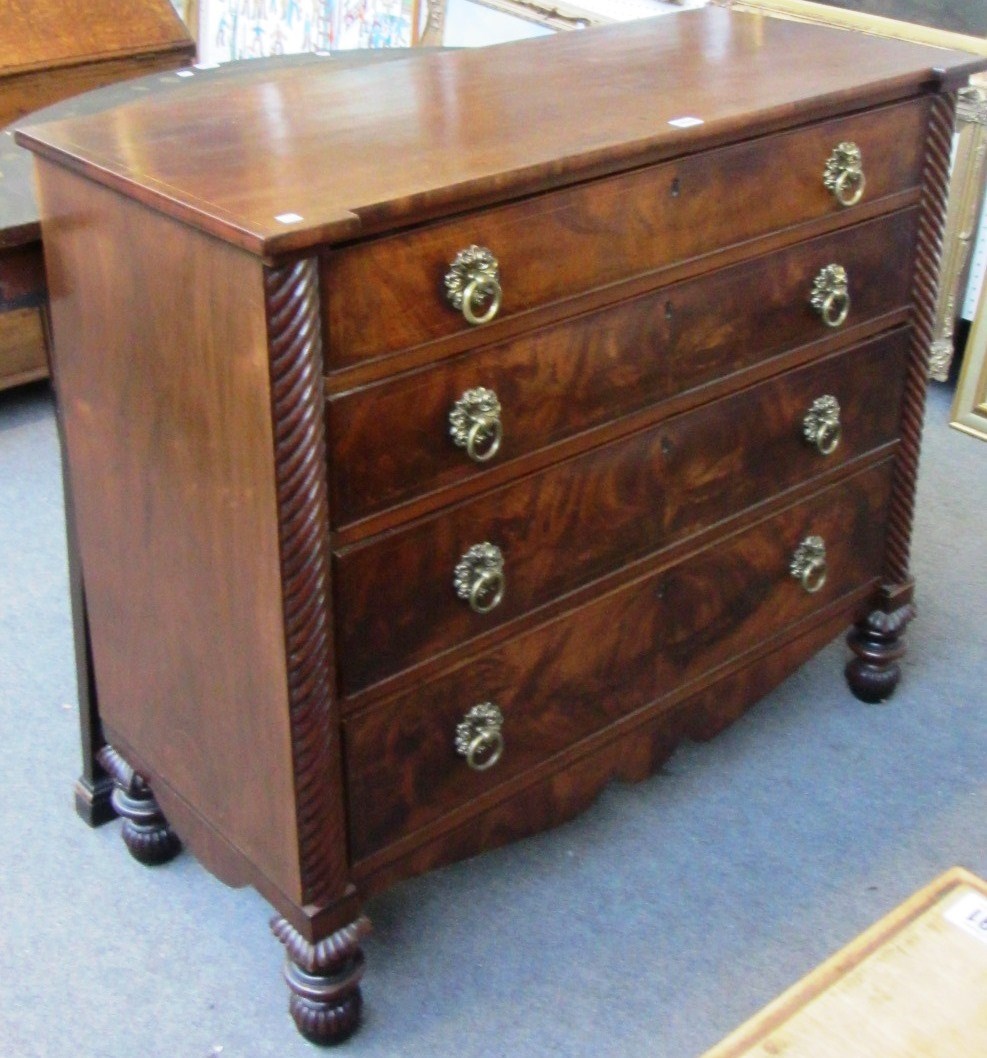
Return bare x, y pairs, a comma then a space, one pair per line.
162, 371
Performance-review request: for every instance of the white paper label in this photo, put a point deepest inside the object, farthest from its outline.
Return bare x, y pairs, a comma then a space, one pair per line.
970, 914
288, 218
184, 73
686, 123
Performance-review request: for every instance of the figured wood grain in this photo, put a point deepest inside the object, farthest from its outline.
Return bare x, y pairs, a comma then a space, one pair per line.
162, 373
590, 515
576, 675
476, 126
630, 750
559, 381
386, 295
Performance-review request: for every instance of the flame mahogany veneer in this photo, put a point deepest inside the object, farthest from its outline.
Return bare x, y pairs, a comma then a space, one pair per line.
255, 363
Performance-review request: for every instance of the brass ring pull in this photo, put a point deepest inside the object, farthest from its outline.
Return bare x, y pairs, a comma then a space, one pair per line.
487, 591
835, 308
808, 565
849, 187
473, 285
479, 577
489, 291
844, 174
474, 424
479, 738
821, 425
830, 295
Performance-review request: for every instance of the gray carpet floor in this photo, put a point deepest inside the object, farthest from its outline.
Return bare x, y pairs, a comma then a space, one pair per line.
652, 925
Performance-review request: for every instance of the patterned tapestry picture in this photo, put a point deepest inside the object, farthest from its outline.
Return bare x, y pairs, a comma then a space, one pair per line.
247, 29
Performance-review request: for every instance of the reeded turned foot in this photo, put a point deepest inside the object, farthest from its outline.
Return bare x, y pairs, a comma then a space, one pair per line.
146, 833
878, 645
324, 980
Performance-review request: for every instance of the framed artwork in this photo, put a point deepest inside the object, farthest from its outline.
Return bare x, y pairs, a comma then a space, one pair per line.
246, 29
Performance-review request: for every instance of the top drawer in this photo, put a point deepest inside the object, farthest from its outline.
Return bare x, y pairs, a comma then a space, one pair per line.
389, 294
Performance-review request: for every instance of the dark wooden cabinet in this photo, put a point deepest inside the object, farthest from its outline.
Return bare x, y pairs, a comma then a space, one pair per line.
451, 436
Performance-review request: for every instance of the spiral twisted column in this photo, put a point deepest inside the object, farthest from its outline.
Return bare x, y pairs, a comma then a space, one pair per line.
295, 347
876, 641
323, 976
925, 289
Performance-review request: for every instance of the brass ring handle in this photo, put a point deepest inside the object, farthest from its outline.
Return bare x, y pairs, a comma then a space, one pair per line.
483, 440
479, 737
821, 425
849, 178
485, 750
830, 295
472, 282
489, 289
479, 577
844, 174
474, 424
487, 591
835, 308
808, 564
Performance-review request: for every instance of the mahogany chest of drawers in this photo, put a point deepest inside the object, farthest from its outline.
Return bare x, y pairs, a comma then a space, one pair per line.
449, 437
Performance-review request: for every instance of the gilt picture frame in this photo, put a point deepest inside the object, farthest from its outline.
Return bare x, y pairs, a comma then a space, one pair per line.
969, 411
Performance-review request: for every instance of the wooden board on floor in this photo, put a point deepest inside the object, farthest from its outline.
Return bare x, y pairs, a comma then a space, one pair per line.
912, 986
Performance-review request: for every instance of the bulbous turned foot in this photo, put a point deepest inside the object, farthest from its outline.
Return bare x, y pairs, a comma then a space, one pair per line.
324, 980
146, 833
877, 643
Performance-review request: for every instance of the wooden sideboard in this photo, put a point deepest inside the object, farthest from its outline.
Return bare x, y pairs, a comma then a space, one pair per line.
51, 50
449, 437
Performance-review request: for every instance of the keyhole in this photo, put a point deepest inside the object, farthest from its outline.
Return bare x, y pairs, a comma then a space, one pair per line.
676, 187
669, 311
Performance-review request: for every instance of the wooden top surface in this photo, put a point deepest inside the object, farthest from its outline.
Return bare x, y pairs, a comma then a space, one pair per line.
41, 34
382, 146
19, 220
912, 986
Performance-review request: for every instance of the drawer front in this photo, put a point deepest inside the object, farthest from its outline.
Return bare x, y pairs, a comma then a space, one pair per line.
574, 676
580, 520
385, 295
571, 377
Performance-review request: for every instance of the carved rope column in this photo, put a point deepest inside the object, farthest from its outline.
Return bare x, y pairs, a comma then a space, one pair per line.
323, 973
873, 672
966, 192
